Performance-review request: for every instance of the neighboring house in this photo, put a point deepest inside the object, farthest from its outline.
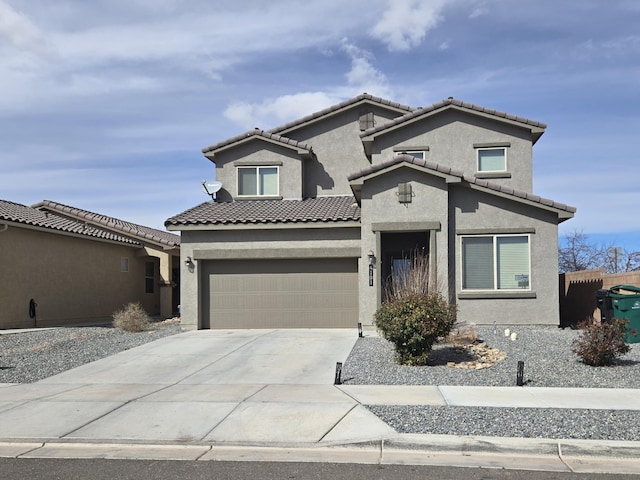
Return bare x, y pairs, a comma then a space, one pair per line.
315, 216
80, 267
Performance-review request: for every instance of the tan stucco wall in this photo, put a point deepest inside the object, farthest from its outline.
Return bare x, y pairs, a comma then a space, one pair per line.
71, 279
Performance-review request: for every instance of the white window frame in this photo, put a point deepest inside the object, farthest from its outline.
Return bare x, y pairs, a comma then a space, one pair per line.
413, 153
495, 288
257, 168
480, 149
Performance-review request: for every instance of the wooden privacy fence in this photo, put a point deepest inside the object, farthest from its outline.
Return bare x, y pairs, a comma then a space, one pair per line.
578, 292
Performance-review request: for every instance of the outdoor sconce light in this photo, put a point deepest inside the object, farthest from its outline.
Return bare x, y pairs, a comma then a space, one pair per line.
188, 262
372, 257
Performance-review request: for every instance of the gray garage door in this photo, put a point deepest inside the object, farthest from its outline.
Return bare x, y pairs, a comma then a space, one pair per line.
306, 293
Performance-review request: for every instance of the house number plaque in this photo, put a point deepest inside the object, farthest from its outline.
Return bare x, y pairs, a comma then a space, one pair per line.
371, 275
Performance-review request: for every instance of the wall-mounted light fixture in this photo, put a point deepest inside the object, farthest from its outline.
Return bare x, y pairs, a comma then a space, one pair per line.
372, 257
188, 262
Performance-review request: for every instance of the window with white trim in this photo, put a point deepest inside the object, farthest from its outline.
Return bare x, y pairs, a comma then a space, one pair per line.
258, 181
496, 262
414, 153
492, 159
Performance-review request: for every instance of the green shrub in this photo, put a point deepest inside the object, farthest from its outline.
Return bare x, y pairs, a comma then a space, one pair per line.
413, 323
132, 318
601, 343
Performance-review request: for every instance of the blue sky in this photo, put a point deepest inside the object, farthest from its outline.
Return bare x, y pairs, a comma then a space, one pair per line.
105, 105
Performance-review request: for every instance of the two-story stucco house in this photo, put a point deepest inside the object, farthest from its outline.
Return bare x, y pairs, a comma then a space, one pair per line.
316, 215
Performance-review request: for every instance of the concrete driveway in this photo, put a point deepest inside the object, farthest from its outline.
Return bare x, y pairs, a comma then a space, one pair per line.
227, 386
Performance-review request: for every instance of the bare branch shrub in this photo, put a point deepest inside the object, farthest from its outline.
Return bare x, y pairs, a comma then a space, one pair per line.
132, 318
414, 280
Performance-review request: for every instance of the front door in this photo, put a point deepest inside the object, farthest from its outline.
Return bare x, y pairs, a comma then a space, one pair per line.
399, 253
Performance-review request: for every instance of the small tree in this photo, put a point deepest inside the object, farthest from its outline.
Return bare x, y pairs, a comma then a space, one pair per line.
579, 253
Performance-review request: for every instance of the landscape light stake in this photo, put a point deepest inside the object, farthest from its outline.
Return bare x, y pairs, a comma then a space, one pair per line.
359, 330
520, 374
338, 379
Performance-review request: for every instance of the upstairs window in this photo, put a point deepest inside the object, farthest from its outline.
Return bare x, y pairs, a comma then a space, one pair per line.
414, 153
257, 181
495, 262
418, 151
492, 159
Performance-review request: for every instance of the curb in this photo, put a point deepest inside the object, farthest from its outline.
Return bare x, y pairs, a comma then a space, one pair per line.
578, 456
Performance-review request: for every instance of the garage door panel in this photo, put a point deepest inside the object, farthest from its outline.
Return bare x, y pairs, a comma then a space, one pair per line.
282, 294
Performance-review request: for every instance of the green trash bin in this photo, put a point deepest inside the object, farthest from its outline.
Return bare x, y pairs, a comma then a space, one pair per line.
626, 304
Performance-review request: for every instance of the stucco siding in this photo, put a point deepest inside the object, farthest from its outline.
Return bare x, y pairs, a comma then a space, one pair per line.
259, 153
380, 205
71, 279
451, 136
480, 212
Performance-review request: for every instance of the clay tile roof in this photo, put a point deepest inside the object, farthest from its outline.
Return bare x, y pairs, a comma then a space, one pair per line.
310, 210
257, 133
340, 106
128, 229
415, 113
404, 158
398, 159
22, 214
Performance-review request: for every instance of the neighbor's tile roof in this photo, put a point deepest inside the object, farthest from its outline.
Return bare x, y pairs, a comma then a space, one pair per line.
15, 212
398, 159
310, 210
257, 133
137, 232
415, 113
340, 106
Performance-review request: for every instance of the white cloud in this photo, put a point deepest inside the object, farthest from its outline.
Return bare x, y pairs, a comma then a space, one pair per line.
361, 77
278, 110
405, 23
17, 28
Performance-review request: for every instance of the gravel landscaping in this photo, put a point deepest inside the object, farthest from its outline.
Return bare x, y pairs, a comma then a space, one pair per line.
27, 357
546, 350
548, 362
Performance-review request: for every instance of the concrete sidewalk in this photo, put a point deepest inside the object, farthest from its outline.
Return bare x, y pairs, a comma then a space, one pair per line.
269, 395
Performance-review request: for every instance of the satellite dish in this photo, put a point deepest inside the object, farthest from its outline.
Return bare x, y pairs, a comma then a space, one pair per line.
210, 188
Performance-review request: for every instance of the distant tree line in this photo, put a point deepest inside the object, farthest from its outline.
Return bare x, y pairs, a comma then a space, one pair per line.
580, 253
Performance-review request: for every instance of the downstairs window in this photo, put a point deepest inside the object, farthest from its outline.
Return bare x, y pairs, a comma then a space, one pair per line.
496, 262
